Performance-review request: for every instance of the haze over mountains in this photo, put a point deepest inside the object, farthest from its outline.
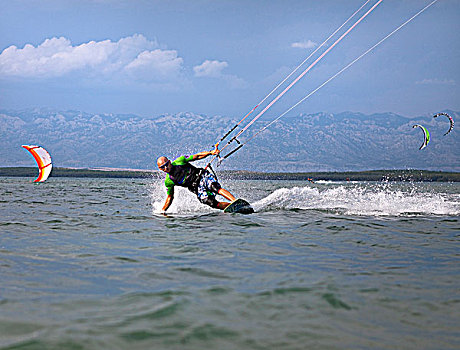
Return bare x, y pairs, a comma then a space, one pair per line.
305, 142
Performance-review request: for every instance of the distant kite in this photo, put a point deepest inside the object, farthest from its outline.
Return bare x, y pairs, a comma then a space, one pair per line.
450, 119
43, 159
426, 135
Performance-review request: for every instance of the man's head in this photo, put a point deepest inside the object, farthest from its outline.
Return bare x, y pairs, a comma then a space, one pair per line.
164, 164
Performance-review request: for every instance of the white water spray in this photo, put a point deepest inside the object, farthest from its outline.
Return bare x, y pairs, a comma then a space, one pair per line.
365, 200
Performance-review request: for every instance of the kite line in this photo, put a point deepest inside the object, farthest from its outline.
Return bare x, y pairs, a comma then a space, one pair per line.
295, 81
344, 69
290, 74
327, 81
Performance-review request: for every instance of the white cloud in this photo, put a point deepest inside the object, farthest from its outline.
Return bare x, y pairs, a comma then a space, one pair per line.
306, 44
56, 57
436, 82
156, 64
211, 69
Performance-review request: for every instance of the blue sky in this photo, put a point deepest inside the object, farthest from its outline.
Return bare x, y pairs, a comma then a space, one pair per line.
222, 57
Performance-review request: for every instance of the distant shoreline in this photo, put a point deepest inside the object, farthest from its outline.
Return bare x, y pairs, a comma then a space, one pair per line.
370, 175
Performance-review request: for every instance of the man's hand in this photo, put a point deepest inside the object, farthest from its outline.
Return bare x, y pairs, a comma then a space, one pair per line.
215, 151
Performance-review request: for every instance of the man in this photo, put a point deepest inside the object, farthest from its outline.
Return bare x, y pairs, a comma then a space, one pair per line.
199, 181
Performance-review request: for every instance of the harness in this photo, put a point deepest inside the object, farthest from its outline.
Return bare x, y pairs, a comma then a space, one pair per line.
186, 175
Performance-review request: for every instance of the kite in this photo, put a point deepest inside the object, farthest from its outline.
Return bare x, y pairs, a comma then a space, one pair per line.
43, 159
450, 119
426, 135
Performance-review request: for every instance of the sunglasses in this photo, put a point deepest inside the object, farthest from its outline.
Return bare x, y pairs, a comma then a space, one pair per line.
165, 165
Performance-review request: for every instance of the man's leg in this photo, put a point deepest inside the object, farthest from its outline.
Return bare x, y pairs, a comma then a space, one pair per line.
210, 183
216, 188
212, 202
224, 193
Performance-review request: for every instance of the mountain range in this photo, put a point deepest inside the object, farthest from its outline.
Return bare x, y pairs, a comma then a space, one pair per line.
345, 141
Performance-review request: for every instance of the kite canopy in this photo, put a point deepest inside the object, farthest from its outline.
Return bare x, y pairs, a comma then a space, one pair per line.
426, 135
450, 119
43, 159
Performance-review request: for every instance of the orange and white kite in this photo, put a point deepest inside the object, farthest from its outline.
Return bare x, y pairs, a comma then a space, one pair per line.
43, 159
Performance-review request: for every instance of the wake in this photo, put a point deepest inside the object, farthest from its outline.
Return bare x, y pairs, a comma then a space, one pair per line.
366, 200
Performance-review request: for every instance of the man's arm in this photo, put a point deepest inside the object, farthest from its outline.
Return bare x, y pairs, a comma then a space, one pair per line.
205, 154
168, 202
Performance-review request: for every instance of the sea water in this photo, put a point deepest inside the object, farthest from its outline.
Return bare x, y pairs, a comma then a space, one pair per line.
92, 264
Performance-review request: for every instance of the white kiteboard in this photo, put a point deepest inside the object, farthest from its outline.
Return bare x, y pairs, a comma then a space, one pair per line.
239, 206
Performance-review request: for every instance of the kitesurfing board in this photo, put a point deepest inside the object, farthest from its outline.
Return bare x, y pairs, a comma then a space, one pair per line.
239, 206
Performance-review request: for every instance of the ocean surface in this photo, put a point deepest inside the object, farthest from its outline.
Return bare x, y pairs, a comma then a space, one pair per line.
92, 264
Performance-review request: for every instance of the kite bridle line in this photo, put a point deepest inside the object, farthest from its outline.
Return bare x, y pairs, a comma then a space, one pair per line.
281, 83
333, 77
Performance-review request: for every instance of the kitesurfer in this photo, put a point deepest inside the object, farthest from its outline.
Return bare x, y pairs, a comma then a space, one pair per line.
198, 180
